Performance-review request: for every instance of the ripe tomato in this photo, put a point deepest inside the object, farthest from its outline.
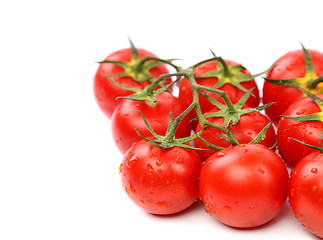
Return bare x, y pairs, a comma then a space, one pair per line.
234, 94
290, 66
126, 118
305, 192
106, 92
160, 181
245, 131
309, 132
244, 185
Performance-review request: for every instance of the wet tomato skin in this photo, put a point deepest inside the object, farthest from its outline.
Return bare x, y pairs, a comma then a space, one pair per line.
291, 65
309, 132
160, 181
243, 186
305, 192
106, 92
126, 119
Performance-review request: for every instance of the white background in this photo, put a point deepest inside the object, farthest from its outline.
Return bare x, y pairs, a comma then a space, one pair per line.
58, 164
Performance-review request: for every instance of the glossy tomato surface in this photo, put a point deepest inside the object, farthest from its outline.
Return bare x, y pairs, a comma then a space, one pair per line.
160, 181
309, 132
289, 66
234, 94
126, 119
305, 192
105, 92
245, 131
243, 186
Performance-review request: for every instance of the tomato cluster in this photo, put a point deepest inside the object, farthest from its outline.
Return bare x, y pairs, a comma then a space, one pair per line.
214, 142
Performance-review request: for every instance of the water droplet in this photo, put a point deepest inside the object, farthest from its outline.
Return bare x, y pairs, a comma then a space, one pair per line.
179, 159
261, 170
120, 168
227, 208
211, 211
252, 207
157, 120
314, 188
314, 170
220, 154
125, 114
162, 205
154, 153
132, 161
150, 169
159, 162
300, 111
132, 190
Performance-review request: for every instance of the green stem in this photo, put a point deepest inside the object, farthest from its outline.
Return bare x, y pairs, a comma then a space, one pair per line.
154, 84
226, 70
312, 84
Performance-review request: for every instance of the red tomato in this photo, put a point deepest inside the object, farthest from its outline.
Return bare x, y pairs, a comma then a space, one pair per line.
289, 66
243, 186
305, 192
309, 132
126, 118
245, 131
106, 92
234, 94
160, 181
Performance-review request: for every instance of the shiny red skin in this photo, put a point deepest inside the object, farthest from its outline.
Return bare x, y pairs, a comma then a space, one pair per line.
245, 131
105, 92
305, 192
243, 186
126, 118
160, 181
234, 94
291, 65
309, 132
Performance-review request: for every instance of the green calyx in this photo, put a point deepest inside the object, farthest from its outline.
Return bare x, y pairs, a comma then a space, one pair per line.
229, 74
232, 113
169, 140
150, 92
310, 81
138, 68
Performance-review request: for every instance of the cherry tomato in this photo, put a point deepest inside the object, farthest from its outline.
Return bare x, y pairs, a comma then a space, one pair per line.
309, 132
245, 131
234, 94
290, 66
243, 186
106, 92
126, 119
305, 192
160, 181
